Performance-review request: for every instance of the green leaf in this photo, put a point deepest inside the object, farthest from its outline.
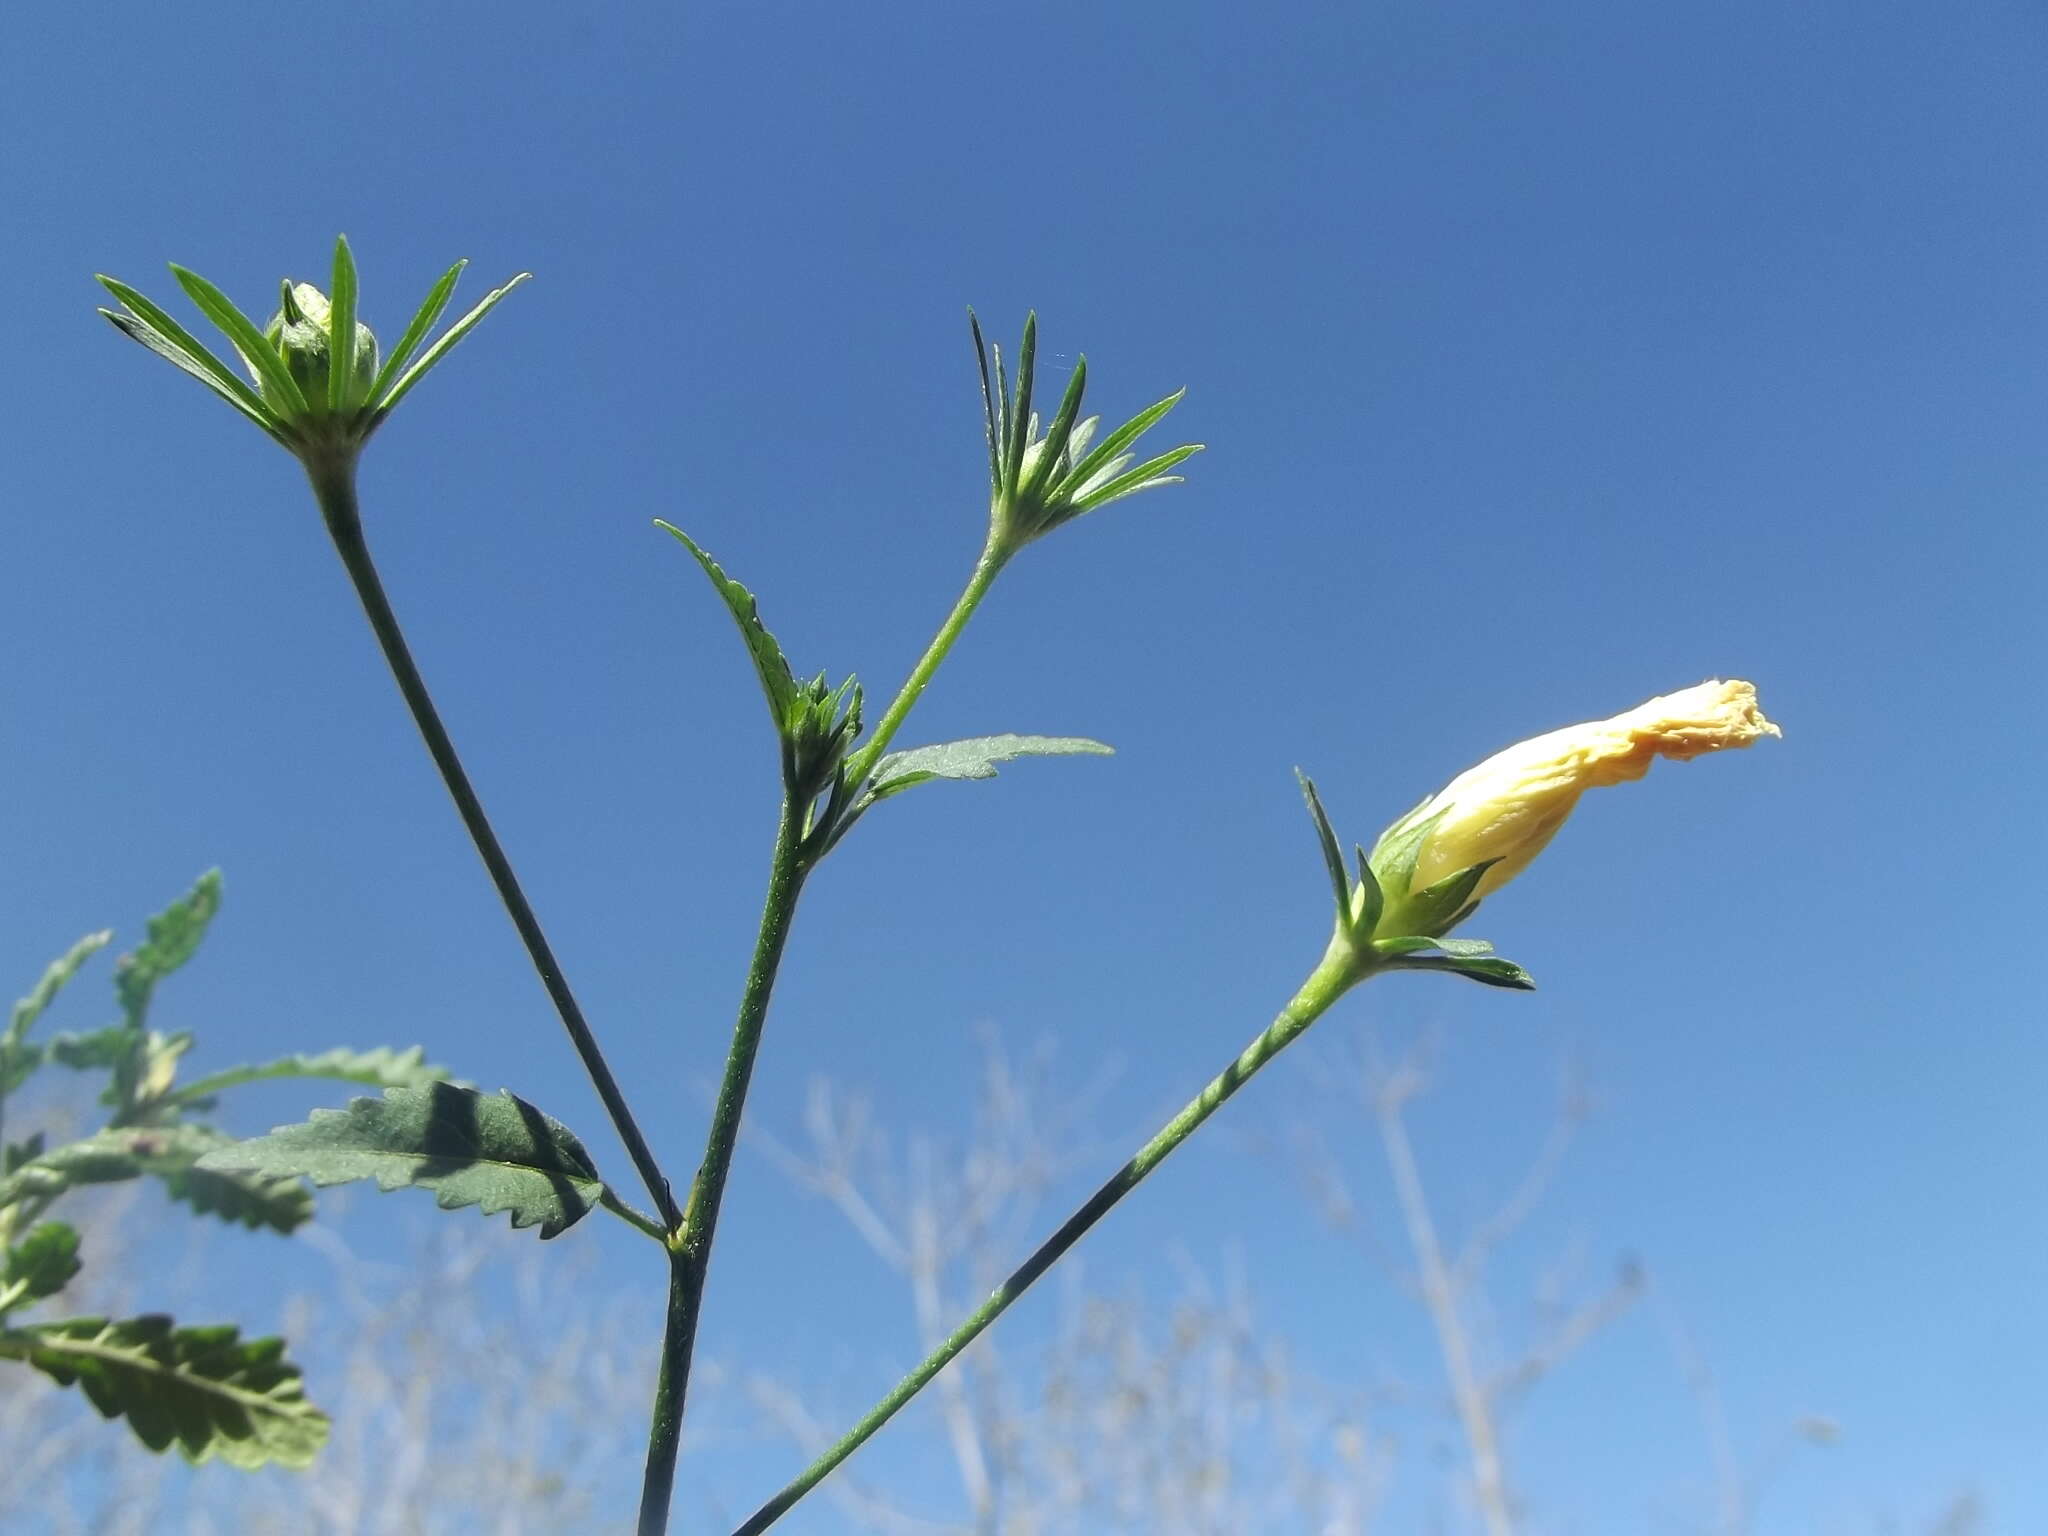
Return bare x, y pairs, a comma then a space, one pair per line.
168, 1153
174, 936
42, 1263
59, 972
17, 1153
205, 1390
1020, 404
1406, 944
249, 340
1333, 856
1463, 948
157, 330
381, 1067
1146, 476
1124, 436
256, 1200
493, 1151
1493, 971
778, 682
1057, 434
441, 348
341, 320
416, 332
988, 407
974, 758
104, 1158
95, 1052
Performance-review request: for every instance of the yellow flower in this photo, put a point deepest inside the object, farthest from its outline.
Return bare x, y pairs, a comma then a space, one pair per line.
1510, 806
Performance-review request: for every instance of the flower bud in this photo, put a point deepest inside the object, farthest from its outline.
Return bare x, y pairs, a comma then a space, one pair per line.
302, 331
1502, 813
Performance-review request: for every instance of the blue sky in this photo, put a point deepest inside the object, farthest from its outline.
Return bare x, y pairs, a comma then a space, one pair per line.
1547, 362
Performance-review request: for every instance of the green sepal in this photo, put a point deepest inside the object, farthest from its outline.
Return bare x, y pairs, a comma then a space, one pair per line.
1439, 907
207, 1391
493, 1151
41, 1264
1400, 846
1372, 901
1333, 856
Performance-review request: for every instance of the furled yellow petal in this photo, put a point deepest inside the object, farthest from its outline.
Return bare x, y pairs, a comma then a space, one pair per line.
1509, 806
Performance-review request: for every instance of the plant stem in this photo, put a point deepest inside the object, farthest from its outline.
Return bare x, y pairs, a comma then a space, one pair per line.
993, 558
690, 1255
334, 485
1325, 984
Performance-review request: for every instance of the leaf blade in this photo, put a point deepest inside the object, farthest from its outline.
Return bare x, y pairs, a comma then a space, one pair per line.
379, 1067
205, 1390
973, 757
416, 330
493, 1151
247, 338
771, 666
42, 1263
442, 347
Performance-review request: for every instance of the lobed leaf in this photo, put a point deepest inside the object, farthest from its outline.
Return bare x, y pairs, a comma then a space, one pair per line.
54, 978
205, 1390
778, 682
380, 1067
973, 758
42, 1263
496, 1152
174, 936
169, 1153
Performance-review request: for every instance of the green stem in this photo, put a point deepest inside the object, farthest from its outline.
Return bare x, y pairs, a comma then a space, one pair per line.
691, 1246
1337, 971
334, 485
993, 558
639, 1220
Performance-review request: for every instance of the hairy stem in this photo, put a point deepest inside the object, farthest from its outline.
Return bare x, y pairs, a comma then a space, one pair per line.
334, 485
691, 1245
993, 558
1324, 985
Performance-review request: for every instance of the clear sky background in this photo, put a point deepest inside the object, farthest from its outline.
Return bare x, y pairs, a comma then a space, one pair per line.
1548, 359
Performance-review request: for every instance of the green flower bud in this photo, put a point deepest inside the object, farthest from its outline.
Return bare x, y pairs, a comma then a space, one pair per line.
302, 332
